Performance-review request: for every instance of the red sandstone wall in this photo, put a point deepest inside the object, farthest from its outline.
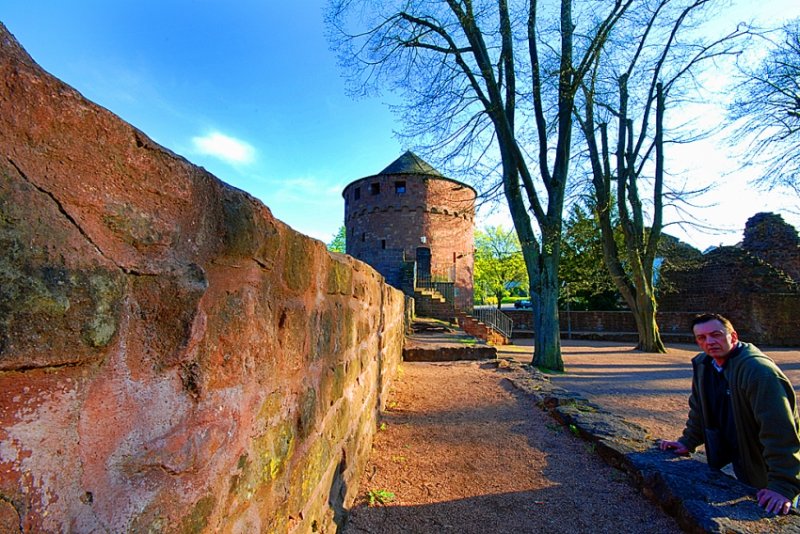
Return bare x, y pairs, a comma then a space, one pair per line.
440, 210
604, 321
760, 300
172, 358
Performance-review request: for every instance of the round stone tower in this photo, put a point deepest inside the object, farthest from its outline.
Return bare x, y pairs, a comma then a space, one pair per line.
413, 224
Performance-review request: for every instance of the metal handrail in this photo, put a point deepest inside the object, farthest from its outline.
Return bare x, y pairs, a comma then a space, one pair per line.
446, 289
495, 319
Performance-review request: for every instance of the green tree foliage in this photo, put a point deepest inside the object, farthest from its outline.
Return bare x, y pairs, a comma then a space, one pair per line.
338, 243
498, 262
585, 281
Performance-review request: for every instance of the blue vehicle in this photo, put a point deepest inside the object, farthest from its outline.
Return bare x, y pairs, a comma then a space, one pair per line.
524, 304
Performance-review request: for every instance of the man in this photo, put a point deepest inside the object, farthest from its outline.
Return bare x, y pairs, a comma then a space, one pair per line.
745, 411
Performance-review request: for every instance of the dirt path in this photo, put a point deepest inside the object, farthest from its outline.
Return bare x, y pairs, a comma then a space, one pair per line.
462, 452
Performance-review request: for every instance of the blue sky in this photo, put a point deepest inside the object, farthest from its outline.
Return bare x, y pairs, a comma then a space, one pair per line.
247, 89
250, 90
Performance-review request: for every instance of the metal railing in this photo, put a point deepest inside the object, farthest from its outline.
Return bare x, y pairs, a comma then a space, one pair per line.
445, 289
436, 273
442, 279
495, 319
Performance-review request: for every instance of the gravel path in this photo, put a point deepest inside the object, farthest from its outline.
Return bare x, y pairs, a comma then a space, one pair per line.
463, 452
649, 389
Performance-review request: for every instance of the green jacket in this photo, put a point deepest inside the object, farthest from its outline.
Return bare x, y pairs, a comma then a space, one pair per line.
765, 413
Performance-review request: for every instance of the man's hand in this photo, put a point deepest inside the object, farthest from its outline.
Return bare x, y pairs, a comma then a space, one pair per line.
676, 446
773, 502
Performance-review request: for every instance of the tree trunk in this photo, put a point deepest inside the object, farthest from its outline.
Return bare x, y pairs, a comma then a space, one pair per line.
646, 325
635, 281
499, 297
547, 341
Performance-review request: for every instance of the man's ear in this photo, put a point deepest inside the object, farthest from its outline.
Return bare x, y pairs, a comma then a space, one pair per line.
734, 337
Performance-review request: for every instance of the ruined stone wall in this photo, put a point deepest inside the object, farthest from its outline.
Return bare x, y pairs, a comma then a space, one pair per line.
764, 319
756, 285
172, 358
770, 238
762, 302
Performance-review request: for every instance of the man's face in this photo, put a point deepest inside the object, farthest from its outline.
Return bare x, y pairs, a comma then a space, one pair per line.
715, 339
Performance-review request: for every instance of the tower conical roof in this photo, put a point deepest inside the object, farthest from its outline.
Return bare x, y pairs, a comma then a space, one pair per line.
410, 163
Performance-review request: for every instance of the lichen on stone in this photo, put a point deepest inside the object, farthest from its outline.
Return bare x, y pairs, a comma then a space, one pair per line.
197, 520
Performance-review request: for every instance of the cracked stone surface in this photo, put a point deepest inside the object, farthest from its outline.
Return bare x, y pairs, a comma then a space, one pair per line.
172, 357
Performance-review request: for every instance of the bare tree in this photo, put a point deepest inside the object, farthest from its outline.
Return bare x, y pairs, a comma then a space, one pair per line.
766, 110
489, 77
626, 93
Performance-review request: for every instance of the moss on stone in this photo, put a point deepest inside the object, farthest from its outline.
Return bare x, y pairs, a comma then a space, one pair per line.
340, 279
338, 382
308, 473
238, 480
340, 423
247, 230
132, 225
270, 409
107, 292
281, 450
197, 520
37, 301
278, 520
298, 263
307, 412
272, 451
346, 332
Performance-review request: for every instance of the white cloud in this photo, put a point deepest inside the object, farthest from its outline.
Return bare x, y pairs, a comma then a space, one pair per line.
226, 148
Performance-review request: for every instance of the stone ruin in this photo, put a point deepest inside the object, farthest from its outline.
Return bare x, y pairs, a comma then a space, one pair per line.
756, 283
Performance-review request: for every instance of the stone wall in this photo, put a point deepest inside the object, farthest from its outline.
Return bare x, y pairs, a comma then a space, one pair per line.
769, 237
764, 319
756, 285
384, 226
172, 358
753, 285
608, 325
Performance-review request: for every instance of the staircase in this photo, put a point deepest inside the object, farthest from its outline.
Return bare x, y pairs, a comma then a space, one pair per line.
476, 328
429, 302
437, 300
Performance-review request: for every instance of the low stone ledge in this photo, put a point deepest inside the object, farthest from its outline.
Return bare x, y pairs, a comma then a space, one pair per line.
700, 499
432, 341
448, 353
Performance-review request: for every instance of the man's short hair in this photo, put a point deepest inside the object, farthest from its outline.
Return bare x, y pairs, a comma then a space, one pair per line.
706, 317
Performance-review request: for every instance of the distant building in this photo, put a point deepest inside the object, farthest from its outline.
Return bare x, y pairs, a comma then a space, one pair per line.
413, 224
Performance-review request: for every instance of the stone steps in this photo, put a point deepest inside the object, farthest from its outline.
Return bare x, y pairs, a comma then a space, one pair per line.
430, 303
474, 327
